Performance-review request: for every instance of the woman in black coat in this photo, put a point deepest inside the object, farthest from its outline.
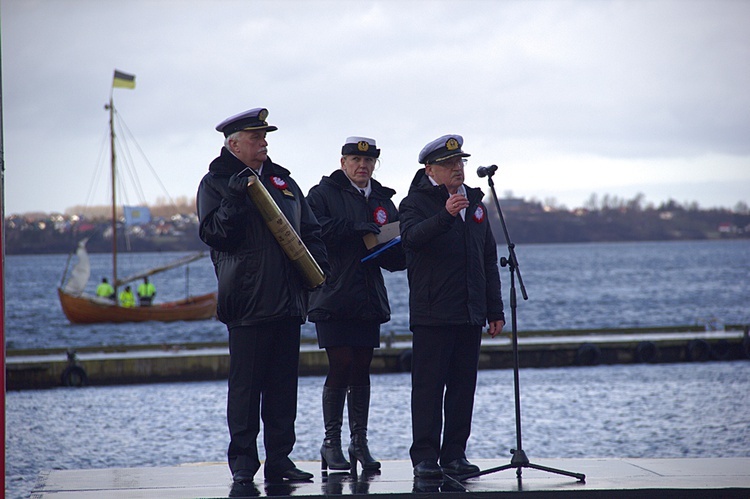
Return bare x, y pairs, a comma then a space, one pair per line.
351, 305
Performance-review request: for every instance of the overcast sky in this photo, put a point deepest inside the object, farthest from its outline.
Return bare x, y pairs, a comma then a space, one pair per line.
568, 98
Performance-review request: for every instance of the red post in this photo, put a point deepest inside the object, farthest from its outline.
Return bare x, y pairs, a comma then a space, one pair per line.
2, 280
2, 300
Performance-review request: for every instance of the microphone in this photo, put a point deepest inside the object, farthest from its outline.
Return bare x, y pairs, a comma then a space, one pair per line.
486, 171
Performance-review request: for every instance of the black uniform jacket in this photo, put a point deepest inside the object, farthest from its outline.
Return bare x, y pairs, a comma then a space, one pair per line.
355, 290
451, 263
257, 281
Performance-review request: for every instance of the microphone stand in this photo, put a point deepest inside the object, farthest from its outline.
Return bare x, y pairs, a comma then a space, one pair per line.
519, 459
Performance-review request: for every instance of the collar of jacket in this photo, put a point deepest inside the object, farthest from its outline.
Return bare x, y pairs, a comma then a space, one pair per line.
228, 164
339, 180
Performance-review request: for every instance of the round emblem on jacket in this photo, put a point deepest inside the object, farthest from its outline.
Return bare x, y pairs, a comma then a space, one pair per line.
279, 182
479, 215
380, 216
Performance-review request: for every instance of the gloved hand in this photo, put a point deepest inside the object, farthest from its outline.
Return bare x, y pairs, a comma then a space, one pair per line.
362, 228
238, 186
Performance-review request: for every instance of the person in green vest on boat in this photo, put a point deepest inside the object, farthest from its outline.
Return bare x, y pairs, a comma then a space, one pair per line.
127, 299
105, 289
146, 293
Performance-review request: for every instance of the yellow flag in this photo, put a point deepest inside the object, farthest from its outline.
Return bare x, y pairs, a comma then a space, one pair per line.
123, 80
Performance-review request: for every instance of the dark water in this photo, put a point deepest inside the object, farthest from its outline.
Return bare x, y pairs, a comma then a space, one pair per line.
648, 411
570, 286
690, 410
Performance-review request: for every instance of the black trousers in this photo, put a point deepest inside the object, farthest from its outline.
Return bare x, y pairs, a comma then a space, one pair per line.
444, 378
263, 368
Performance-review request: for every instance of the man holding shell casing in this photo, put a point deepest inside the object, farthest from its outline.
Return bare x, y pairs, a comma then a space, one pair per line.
262, 296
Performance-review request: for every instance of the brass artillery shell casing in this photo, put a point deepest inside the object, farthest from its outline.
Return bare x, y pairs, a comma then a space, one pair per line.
284, 233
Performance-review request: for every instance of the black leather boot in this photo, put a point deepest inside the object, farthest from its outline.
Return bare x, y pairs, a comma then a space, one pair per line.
331, 455
359, 408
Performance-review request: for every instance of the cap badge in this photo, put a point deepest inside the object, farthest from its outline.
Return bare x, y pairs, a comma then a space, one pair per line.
380, 216
262, 115
363, 146
479, 215
452, 144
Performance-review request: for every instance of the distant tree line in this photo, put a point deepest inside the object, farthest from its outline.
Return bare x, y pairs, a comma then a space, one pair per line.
174, 227
610, 219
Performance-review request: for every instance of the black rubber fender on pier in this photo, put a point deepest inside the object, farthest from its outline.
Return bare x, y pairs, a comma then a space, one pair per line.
647, 351
588, 354
74, 376
721, 350
698, 350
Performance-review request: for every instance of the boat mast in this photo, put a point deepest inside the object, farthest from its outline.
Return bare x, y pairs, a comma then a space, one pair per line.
111, 108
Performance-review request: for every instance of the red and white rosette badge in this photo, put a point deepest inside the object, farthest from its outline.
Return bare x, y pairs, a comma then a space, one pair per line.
479, 215
380, 216
279, 182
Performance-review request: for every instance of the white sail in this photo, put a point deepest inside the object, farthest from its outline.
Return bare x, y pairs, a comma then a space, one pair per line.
80, 274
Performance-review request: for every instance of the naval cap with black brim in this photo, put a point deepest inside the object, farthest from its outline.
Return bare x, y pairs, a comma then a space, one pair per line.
360, 146
254, 119
440, 149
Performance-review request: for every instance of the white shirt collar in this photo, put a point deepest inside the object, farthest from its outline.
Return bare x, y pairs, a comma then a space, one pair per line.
367, 189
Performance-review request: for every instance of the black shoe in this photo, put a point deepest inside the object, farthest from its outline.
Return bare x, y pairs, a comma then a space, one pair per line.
243, 476
460, 467
331, 456
428, 469
359, 408
292, 474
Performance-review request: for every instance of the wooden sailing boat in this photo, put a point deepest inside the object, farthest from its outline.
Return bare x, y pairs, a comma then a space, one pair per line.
82, 308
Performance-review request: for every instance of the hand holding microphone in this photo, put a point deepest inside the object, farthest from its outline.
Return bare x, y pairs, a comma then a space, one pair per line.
456, 203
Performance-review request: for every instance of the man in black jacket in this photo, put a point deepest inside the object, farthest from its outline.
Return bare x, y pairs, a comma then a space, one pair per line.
454, 290
262, 298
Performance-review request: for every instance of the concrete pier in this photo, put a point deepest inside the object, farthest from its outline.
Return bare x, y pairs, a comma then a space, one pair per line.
34, 369
604, 478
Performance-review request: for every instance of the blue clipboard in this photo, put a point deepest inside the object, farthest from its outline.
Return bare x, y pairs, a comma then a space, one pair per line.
393, 242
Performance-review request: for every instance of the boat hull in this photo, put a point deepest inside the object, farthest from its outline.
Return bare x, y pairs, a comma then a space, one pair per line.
84, 310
